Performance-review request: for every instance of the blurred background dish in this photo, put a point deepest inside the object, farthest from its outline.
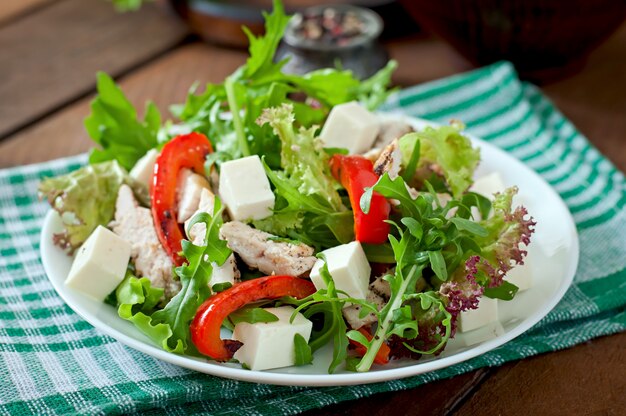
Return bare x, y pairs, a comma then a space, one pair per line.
328, 36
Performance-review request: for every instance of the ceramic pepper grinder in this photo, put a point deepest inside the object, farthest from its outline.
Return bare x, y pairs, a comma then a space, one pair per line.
334, 36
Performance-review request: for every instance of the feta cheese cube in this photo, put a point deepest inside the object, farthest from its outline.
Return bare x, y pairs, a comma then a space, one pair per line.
484, 333
350, 126
521, 276
245, 189
100, 264
270, 344
189, 189
486, 313
488, 185
348, 267
144, 168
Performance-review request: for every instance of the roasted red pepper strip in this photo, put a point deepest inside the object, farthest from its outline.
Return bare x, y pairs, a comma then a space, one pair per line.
205, 327
355, 174
382, 356
184, 151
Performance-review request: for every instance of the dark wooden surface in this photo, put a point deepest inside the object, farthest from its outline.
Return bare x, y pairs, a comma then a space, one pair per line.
51, 49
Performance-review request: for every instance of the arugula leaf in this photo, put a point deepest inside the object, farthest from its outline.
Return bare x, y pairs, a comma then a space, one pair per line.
85, 198
506, 291
113, 124
194, 277
252, 316
304, 355
260, 64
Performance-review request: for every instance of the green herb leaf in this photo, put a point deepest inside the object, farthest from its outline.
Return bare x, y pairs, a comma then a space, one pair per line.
438, 264
469, 226
304, 355
195, 278
113, 124
506, 291
252, 316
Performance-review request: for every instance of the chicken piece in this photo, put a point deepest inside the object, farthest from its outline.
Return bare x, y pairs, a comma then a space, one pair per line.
188, 189
134, 224
389, 131
256, 248
389, 160
227, 272
378, 293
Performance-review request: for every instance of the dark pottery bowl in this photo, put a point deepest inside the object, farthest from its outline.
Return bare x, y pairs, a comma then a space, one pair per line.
545, 39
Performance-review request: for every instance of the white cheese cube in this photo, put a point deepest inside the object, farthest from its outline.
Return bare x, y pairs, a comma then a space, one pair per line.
521, 276
189, 188
144, 168
245, 189
348, 267
488, 185
486, 313
485, 333
270, 344
350, 126
226, 273
100, 264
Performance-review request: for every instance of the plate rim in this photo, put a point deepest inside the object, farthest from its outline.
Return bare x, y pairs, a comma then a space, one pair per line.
325, 380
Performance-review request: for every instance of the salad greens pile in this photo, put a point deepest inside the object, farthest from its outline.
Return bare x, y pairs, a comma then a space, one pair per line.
441, 256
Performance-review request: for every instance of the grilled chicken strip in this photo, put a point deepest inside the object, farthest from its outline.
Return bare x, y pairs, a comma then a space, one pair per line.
389, 131
256, 248
389, 160
134, 224
378, 293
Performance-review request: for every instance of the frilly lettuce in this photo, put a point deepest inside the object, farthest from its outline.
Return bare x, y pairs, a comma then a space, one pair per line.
302, 157
501, 249
443, 151
136, 301
86, 198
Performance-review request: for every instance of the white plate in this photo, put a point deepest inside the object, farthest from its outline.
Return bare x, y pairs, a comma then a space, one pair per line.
553, 258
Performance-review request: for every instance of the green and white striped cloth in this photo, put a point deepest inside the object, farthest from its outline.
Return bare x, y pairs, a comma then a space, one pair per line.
53, 362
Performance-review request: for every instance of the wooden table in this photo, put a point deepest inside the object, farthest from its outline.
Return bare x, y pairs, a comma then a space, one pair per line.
51, 49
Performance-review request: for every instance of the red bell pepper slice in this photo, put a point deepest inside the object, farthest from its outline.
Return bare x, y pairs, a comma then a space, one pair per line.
205, 327
382, 356
355, 174
184, 151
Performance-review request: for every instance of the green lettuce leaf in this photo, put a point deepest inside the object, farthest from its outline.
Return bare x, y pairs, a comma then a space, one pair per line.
443, 150
136, 301
113, 124
302, 157
85, 198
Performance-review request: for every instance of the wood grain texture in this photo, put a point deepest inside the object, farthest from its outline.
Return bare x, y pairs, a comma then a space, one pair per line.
9, 9
434, 398
589, 379
49, 58
165, 81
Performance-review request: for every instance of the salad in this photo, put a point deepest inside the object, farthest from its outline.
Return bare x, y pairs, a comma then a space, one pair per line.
281, 208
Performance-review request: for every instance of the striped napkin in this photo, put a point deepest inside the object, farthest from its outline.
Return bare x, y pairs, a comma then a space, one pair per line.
53, 362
